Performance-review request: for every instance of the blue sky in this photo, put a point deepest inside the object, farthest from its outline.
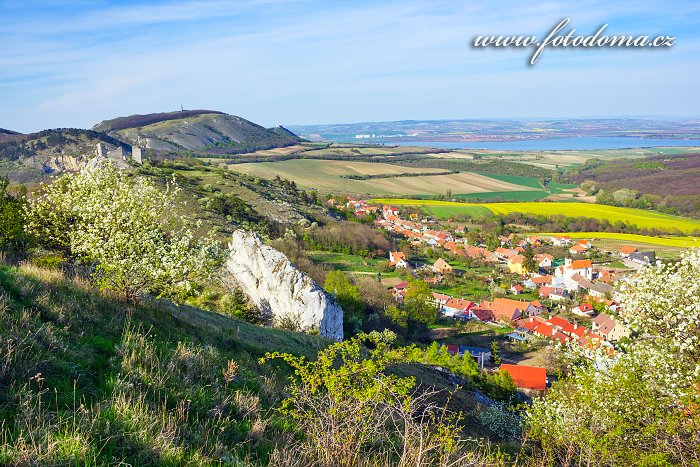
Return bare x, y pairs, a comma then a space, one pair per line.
72, 63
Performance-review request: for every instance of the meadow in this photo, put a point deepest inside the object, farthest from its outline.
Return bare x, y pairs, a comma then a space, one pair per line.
640, 218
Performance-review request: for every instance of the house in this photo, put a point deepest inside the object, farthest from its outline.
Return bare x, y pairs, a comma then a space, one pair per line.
609, 328
585, 244
507, 310
534, 240
544, 260
440, 299
552, 293
563, 240
456, 306
483, 314
389, 211
527, 377
577, 249
601, 290
479, 354
542, 280
625, 251
442, 267
399, 291
646, 257
584, 267
516, 264
584, 309
516, 289
398, 259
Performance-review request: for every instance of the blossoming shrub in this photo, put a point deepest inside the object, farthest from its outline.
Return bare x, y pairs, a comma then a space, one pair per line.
642, 406
126, 228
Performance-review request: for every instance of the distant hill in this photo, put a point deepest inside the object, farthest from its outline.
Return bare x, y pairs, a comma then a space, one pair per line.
196, 130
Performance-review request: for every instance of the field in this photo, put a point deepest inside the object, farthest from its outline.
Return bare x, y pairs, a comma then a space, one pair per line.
552, 159
327, 176
665, 247
638, 217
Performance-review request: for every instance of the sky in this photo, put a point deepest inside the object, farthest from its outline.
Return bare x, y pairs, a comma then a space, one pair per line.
73, 63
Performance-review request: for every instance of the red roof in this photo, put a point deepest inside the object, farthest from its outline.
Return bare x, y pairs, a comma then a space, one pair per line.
452, 349
459, 304
528, 377
581, 264
562, 324
483, 314
542, 279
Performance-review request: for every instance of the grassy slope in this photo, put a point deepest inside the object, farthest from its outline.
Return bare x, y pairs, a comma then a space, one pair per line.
87, 379
639, 217
131, 368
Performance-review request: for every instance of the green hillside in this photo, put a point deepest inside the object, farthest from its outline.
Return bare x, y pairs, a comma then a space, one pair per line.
87, 379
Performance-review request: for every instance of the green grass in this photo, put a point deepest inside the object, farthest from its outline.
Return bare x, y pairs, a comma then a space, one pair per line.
559, 188
518, 180
346, 262
505, 195
87, 379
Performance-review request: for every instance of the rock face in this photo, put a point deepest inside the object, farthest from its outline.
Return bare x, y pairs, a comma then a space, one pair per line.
275, 286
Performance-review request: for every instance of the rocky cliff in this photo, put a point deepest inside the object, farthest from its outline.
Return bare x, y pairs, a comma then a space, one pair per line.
275, 286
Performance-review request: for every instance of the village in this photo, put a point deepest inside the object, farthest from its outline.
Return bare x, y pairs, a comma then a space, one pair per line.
557, 291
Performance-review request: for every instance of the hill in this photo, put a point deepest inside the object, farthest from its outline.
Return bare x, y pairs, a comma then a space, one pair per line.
205, 131
670, 181
33, 157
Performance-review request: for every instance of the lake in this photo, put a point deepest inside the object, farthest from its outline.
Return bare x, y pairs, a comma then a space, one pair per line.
559, 144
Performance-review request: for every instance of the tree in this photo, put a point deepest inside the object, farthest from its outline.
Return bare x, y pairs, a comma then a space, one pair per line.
346, 294
397, 316
495, 353
529, 262
127, 229
12, 234
642, 406
418, 303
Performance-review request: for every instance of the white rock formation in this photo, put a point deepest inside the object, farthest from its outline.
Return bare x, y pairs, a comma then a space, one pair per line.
276, 286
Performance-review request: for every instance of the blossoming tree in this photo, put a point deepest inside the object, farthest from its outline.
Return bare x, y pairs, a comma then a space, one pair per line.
641, 406
126, 228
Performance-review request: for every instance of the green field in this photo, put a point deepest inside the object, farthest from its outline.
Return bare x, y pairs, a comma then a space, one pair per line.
533, 195
638, 217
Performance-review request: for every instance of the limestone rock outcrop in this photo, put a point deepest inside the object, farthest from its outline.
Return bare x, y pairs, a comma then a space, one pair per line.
276, 286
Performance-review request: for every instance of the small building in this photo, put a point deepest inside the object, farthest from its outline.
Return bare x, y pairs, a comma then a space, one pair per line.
584, 309
442, 267
609, 328
561, 240
516, 289
625, 251
527, 377
646, 257
456, 306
